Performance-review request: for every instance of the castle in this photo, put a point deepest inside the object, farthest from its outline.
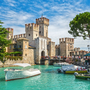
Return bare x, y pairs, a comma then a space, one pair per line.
35, 43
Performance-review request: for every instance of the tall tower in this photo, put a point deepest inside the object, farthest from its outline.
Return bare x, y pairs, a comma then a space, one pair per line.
10, 34
43, 26
66, 46
32, 31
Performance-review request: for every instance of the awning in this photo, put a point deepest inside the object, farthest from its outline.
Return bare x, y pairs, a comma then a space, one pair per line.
88, 54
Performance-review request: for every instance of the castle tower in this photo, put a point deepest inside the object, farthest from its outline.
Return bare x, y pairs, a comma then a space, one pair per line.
43, 26
10, 34
32, 31
66, 46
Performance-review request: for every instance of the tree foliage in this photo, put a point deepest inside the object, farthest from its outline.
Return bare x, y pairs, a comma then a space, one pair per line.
80, 26
16, 53
3, 42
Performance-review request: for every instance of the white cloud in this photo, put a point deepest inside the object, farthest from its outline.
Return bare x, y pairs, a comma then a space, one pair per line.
59, 24
18, 30
11, 4
17, 18
59, 14
10, 1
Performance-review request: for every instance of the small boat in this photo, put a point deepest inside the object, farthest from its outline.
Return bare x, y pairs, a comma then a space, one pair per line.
13, 74
82, 76
71, 69
72, 72
61, 64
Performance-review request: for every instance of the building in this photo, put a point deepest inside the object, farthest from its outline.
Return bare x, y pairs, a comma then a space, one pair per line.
35, 36
78, 53
66, 46
35, 43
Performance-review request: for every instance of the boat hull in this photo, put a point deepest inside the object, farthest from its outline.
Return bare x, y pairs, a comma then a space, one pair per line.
72, 72
82, 77
13, 75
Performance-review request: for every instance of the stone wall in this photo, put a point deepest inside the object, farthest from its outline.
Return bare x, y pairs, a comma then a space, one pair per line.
66, 46
51, 49
26, 59
57, 50
41, 46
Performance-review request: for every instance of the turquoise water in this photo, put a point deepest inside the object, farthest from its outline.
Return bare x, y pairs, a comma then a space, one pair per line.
48, 80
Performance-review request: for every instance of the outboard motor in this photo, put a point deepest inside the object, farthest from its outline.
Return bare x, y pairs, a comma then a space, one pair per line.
76, 73
88, 70
59, 71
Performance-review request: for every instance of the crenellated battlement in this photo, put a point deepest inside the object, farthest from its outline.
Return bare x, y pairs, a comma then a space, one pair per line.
42, 20
57, 46
66, 40
32, 26
52, 43
9, 29
19, 36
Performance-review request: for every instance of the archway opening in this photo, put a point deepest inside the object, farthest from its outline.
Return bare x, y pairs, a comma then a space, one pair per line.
42, 55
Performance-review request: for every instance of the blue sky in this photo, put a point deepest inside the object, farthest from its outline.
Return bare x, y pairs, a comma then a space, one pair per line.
16, 13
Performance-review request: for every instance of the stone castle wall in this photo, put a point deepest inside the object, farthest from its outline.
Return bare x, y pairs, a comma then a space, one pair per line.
51, 49
26, 59
66, 46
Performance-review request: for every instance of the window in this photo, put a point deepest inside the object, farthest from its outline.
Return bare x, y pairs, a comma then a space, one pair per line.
29, 34
75, 53
25, 46
15, 46
25, 54
10, 46
70, 46
39, 32
19, 46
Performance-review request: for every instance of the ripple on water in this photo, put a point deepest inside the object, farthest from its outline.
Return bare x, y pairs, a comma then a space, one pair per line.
48, 80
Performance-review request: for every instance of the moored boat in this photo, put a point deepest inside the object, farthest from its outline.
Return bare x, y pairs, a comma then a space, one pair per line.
82, 76
61, 64
71, 69
72, 72
13, 74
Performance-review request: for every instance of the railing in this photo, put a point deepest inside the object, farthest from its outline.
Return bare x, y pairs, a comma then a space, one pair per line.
14, 57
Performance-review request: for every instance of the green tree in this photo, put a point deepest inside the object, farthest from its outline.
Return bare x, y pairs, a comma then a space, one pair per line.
3, 42
80, 26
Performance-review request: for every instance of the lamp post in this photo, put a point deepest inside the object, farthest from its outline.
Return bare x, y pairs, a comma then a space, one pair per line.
88, 51
88, 47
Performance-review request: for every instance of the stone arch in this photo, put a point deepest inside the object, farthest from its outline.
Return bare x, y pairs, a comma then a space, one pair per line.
42, 54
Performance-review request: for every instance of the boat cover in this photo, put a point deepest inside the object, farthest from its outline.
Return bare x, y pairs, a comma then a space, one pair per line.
22, 64
71, 67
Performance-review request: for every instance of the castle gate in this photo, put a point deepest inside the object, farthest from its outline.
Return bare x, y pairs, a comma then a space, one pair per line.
42, 54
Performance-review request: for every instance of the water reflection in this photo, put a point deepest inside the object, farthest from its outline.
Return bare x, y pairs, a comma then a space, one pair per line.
48, 80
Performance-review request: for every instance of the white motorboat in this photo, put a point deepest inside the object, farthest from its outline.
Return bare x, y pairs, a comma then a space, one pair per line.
61, 64
13, 74
70, 69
